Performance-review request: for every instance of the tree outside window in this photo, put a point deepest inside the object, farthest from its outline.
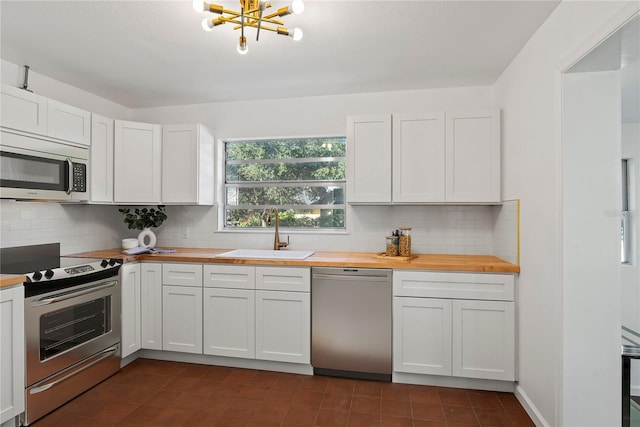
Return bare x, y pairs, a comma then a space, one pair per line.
303, 177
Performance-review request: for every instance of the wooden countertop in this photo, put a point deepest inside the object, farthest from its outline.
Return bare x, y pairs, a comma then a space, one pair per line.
443, 262
7, 280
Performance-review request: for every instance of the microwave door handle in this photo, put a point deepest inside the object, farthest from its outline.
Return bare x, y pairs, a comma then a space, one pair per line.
70, 176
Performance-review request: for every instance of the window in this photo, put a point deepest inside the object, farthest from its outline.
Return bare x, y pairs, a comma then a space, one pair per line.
625, 225
304, 178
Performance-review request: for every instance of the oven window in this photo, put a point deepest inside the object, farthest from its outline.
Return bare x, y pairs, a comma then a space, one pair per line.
70, 327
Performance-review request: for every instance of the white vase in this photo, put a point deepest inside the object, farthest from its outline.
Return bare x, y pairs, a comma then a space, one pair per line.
144, 234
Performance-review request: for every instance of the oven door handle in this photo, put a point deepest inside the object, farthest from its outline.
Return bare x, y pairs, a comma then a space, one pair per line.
97, 358
65, 296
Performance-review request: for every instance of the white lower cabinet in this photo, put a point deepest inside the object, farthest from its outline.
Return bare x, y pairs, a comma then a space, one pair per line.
11, 353
182, 307
130, 318
229, 322
484, 339
471, 338
422, 335
257, 312
283, 325
151, 305
182, 319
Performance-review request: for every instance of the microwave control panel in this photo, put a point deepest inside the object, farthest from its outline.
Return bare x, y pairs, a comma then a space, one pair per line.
79, 177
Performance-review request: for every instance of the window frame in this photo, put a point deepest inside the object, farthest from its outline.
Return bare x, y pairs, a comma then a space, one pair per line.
222, 187
627, 227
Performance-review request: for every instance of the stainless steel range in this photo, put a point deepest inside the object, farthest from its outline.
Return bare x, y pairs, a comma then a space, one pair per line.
72, 324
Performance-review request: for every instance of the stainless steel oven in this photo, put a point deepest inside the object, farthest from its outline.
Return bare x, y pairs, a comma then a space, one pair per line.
72, 329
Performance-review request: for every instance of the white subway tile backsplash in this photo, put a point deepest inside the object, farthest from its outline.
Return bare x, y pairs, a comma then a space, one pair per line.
435, 229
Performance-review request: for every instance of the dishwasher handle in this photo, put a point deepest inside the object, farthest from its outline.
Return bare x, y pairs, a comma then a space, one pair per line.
352, 277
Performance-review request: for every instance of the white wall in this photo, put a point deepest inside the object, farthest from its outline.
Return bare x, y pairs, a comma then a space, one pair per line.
591, 122
630, 274
78, 228
320, 115
436, 229
13, 75
529, 94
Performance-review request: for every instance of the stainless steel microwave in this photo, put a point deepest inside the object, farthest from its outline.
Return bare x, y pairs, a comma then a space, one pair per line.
36, 168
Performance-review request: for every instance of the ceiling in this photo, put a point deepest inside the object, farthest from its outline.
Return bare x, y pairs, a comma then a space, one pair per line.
155, 53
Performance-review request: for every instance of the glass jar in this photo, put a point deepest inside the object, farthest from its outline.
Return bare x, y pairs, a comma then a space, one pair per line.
404, 241
392, 246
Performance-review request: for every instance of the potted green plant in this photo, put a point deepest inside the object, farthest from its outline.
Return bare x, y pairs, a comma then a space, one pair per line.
144, 219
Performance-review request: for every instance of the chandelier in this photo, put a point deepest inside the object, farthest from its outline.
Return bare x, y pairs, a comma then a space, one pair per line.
252, 14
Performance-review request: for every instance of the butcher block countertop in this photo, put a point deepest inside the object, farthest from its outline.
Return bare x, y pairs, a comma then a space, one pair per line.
442, 262
7, 280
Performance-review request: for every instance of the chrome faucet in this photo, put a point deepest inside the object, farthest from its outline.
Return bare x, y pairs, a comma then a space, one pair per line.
277, 244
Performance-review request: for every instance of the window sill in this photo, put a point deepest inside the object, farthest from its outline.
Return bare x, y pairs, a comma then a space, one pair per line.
283, 231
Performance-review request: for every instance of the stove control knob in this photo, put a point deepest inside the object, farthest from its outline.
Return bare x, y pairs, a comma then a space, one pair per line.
37, 276
112, 262
104, 263
48, 274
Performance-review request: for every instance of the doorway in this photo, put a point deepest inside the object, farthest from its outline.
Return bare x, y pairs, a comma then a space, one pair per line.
601, 223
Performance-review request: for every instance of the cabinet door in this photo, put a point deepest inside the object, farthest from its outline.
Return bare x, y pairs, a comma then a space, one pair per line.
187, 165
151, 305
137, 156
101, 159
418, 158
283, 326
422, 335
473, 157
130, 283
182, 319
68, 123
484, 339
11, 353
368, 159
23, 110
229, 322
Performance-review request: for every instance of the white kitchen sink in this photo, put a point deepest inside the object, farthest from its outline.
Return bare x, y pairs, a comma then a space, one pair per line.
266, 254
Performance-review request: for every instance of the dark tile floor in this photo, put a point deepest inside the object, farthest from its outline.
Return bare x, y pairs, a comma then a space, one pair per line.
158, 393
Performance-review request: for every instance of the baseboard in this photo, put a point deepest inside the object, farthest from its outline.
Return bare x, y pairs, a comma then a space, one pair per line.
263, 365
456, 382
531, 409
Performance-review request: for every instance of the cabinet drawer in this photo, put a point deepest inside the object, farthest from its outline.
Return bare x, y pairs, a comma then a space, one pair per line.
477, 286
229, 276
283, 279
182, 274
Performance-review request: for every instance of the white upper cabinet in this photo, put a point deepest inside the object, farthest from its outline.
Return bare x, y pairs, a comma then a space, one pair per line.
101, 159
473, 157
137, 162
368, 159
187, 165
27, 112
424, 158
68, 123
418, 158
23, 110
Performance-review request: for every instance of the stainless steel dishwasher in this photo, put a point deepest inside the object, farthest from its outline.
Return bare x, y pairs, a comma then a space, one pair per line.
351, 322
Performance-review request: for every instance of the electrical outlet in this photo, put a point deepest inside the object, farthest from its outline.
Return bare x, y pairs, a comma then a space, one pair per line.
185, 232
